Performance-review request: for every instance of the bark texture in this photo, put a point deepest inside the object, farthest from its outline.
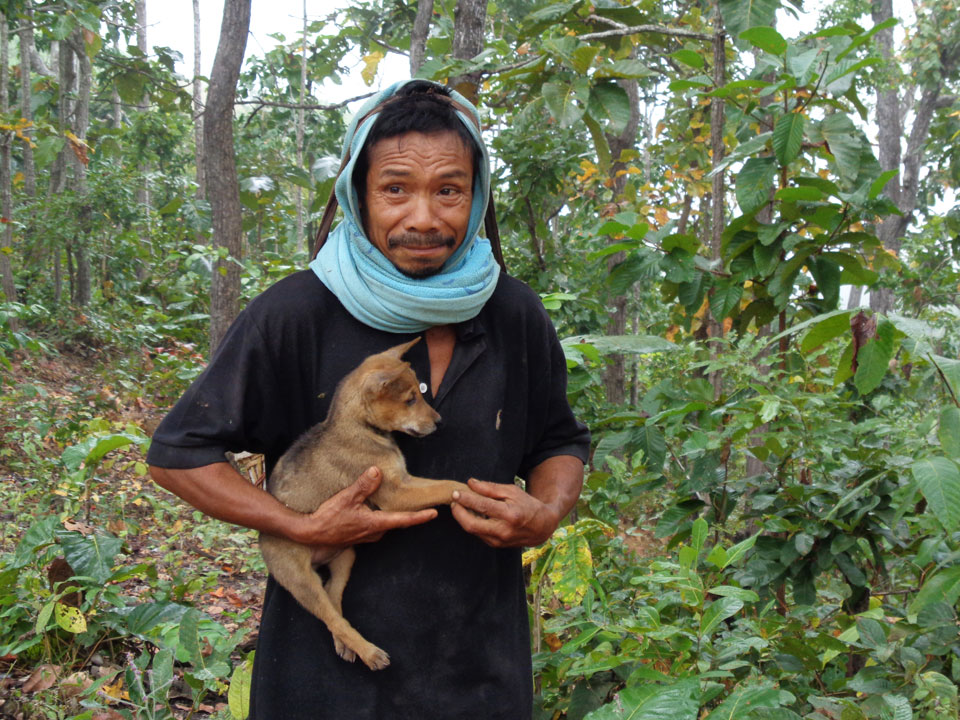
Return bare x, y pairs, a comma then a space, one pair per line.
468, 21
221, 168
418, 37
6, 180
198, 105
26, 96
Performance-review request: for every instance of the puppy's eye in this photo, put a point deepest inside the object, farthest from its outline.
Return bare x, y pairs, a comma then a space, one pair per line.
412, 400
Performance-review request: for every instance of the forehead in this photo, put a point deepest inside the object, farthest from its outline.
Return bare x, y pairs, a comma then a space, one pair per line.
428, 151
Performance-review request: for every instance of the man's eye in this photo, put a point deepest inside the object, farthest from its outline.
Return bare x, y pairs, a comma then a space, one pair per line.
394, 189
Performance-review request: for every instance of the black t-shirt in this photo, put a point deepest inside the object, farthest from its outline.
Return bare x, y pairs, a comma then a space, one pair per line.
449, 610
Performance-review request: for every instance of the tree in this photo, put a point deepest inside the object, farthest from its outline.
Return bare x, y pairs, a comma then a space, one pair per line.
221, 169
7, 283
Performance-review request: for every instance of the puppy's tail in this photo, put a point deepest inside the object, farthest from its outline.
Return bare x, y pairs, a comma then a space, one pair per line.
289, 563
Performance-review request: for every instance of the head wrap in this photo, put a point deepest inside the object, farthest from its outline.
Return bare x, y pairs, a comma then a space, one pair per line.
368, 284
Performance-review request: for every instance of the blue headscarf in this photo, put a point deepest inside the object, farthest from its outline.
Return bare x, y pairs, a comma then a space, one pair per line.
368, 284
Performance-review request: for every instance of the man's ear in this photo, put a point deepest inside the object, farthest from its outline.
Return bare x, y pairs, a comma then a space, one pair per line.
398, 351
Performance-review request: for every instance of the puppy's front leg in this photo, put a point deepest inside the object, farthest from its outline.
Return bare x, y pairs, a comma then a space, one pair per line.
417, 493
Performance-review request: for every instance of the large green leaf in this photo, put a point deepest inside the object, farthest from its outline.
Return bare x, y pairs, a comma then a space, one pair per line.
844, 143
718, 611
766, 38
949, 431
827, 329
739, 15
609, 103
679, 701
567, 102
238, 697
746, 699
633, 344
788, 137
91, 451
942, 587
754, 183
939, 481
873, 359
90, 555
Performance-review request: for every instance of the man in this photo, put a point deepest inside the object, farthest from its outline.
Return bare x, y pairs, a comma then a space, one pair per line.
442, 592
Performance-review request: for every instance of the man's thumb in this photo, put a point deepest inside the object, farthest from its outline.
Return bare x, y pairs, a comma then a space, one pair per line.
369, 481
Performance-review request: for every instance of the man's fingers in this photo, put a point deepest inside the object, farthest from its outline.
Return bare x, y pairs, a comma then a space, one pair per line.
389, 520
368, 482
498, 491
487, 529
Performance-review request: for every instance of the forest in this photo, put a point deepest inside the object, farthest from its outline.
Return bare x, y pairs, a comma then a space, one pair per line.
742, 218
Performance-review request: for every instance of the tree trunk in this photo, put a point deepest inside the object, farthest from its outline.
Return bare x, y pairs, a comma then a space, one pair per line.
717, 211
26, 96
418, 37
81, 122
6, 181
301, 123
468, 21
221, 169
198, 106
614, 374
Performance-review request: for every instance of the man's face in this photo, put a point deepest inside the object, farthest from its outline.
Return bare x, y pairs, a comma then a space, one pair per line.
419, 194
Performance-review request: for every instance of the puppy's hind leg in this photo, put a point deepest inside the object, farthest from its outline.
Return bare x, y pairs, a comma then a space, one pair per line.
340, 568
292, 569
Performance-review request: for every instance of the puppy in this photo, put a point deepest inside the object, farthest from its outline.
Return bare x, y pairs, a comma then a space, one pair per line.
380, 396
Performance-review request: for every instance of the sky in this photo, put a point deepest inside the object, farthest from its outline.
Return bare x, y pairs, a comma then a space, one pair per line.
170, 24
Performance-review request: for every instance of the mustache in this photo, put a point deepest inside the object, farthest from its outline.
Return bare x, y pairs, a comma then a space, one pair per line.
420, 240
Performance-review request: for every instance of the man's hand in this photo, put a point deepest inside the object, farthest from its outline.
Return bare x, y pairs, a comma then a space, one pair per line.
506, 516
503, 515
346, 519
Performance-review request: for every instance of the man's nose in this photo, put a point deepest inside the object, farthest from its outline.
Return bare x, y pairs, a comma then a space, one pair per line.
421, 217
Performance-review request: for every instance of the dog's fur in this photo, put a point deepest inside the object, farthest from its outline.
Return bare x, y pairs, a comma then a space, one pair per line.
381, 396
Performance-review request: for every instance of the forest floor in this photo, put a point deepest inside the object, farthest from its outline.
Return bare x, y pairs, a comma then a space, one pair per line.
205, 563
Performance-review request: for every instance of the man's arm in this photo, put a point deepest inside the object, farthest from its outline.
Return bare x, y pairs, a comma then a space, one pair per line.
345, 519
506, 516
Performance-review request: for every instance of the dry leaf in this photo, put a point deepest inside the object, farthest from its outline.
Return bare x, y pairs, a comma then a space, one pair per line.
43, 678
75, 684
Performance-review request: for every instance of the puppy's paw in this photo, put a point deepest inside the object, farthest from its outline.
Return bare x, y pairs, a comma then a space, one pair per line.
377, 659
343, 651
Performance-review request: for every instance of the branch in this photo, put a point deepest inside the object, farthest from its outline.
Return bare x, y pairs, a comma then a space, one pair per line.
391, 48
605, 21
298, 106
636, 29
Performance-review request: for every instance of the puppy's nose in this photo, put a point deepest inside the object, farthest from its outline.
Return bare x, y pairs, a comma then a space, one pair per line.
438, 422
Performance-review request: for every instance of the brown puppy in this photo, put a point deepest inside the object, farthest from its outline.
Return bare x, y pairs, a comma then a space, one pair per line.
381, 396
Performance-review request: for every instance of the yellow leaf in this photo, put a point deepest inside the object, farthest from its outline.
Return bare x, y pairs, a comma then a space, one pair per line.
370, 64
70, 618
534, 554
661, 215
704, 306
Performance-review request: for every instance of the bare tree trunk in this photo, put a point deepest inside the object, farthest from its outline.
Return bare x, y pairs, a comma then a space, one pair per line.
468, 21
198, 106
26, 96
614, 374
301, 123
221, 168
6, 181
81, 122
418, 37
143, 190
717, 212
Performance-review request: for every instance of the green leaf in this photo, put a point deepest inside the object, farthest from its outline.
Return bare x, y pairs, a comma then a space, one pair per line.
698, 534
648, 438
788, 137
633, 344
739, 550
765, 38
745, 701
725, 300
566, 102
43, 617
844, 143
679, 701
939, 481
735, 592
800, 193
90, 555
949, 431
740, 15
600, 143
609, 103
754, 184
873, 359
690, 58
877, 186
628, 68
827, 329
942, 587
718, 611
238, 696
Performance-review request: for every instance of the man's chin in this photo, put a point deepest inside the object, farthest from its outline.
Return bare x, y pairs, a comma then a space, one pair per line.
420, 272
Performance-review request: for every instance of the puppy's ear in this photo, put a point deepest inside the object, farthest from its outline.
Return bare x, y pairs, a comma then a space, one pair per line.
386, 382
398, 351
